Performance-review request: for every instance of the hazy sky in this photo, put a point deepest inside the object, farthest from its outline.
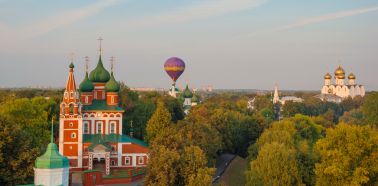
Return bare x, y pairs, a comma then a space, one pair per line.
225, 43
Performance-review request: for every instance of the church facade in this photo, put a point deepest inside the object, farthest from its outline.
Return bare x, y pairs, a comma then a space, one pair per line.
340, 88
90, 134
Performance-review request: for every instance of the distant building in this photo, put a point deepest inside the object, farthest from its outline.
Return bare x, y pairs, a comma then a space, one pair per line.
174, 91
283, 100
251, 103
189, 99
339, 90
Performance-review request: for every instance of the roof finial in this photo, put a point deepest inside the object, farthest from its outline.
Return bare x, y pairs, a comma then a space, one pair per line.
52, 130
71, 59
86, 63
72, 55
100, 44
112, 63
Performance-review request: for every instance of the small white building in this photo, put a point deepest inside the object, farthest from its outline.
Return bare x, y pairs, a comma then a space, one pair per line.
283, 100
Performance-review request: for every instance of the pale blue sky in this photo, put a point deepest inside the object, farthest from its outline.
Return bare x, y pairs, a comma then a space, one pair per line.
225, 43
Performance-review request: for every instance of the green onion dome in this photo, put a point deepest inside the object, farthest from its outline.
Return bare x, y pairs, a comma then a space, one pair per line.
195, 99
72, 65
187, 93
86, 85
99, 74
112, 85
181, 98
51, 159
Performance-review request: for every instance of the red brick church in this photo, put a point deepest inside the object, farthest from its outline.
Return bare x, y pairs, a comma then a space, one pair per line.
90, 131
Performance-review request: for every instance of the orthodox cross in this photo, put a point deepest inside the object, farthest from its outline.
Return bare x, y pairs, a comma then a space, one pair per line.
100, 44
86, 63
112, 63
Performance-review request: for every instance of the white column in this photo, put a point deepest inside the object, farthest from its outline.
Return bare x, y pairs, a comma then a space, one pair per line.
90, 161
61, 124
107, 163
120, 125
119, 148
80, 144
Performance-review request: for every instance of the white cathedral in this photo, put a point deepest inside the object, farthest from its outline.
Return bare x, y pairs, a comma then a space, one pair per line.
340, 89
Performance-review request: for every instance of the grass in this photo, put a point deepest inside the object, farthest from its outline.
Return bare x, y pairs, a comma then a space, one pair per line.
234, 174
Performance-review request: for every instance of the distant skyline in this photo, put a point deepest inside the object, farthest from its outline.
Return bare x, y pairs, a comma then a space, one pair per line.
230, 44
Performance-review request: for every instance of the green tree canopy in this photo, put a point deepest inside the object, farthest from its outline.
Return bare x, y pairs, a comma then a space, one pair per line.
348, 156
370, 108
158, 122
275, 165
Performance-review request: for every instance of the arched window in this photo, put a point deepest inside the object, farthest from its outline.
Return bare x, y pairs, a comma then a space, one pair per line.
112, 127
113, 163
71, 109
127, 161
99, 127
86, 128
141, 160
63, 108
73, 135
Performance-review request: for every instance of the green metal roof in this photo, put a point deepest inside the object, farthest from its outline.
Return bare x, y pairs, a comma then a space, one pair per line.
112, 85
114, 138
51, 159
99, 74
187, 93
86, 85
101, 105
195, 98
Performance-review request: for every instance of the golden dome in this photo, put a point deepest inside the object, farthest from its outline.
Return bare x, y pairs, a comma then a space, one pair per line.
339, 71
351, 76
328, 76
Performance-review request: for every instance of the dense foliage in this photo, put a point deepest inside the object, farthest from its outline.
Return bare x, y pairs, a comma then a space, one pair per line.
307, 146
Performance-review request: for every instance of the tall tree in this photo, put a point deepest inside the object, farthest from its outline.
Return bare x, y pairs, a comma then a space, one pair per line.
17, 154
159, 120
348, 156
370, 108
275, 165
162, 166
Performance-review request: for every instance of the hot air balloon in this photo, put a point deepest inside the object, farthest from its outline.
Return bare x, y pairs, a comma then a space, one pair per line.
174, 67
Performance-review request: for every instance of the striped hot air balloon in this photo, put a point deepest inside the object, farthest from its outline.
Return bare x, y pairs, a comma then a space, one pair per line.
174, 67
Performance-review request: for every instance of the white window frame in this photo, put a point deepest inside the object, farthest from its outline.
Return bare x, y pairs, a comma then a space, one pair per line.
73, 135
127, 160
99, 123
86, 126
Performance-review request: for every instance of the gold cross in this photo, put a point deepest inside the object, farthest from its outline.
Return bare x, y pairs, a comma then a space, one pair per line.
112, 63
86, 63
